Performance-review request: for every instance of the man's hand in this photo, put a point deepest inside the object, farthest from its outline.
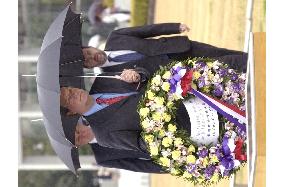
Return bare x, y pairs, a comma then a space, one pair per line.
183, 28
130, 76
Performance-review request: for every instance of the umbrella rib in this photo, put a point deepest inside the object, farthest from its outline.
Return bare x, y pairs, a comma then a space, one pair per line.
69, 22
75, 61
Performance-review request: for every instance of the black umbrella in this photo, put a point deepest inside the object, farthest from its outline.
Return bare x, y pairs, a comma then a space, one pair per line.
59, 63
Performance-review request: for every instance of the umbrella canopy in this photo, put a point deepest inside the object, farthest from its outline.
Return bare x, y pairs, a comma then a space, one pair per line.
60, 56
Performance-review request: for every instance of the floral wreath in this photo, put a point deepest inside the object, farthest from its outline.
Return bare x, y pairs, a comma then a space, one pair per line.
172, 148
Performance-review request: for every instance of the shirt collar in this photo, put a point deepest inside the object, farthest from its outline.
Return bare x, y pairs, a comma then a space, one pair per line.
90, 111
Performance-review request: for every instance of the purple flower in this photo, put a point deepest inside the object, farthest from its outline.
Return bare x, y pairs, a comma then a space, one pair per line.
219, 153
209, 171
201, 64
191, 168
201, 82
218, 90
241, 133
234, 77
223, 72
203, 152
236, 87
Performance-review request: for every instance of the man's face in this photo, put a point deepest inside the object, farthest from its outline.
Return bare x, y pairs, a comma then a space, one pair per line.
94, 57
83, 134
76, 100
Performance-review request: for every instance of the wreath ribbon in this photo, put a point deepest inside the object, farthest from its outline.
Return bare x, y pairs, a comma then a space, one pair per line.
232, 113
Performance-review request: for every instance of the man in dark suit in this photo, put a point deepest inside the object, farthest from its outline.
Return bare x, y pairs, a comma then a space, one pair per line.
126, 45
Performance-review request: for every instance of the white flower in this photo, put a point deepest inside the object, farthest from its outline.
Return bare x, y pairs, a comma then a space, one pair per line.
166, 153
213, 149
217, 79
216, 63
231, 71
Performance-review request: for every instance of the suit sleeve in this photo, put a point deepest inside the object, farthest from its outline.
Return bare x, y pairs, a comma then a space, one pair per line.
237, 62
133, 164
150, 30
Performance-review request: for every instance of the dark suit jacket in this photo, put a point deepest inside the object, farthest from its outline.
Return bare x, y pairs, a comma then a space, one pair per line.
176, 47
125, 159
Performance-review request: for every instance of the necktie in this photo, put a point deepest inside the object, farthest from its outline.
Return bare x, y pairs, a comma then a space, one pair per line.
126, 57
110, 101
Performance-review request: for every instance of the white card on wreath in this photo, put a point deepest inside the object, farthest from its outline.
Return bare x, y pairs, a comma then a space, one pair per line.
204, 121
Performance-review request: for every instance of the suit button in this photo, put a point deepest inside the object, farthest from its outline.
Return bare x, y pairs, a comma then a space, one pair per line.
163, 39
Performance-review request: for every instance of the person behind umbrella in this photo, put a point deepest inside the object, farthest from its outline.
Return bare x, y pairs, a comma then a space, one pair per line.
126, 45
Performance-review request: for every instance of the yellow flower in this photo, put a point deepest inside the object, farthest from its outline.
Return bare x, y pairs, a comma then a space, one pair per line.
145, 124
151, 95
178, 141
149, 138
162, 133
215, 177
156, 80
154, 150
190, 159
174, 171
144, 112
196, 75
156, 116
165, 161
159, 100
172, 128
167, 75
176, 154
166, 117
167, 142
205, 161
166, 86
170, 104
214, 159
177, 97
206, 89
210, 75
191, 149
186, 175
210, 64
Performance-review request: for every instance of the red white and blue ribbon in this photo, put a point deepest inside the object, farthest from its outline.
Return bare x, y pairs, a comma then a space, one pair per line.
232, 113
